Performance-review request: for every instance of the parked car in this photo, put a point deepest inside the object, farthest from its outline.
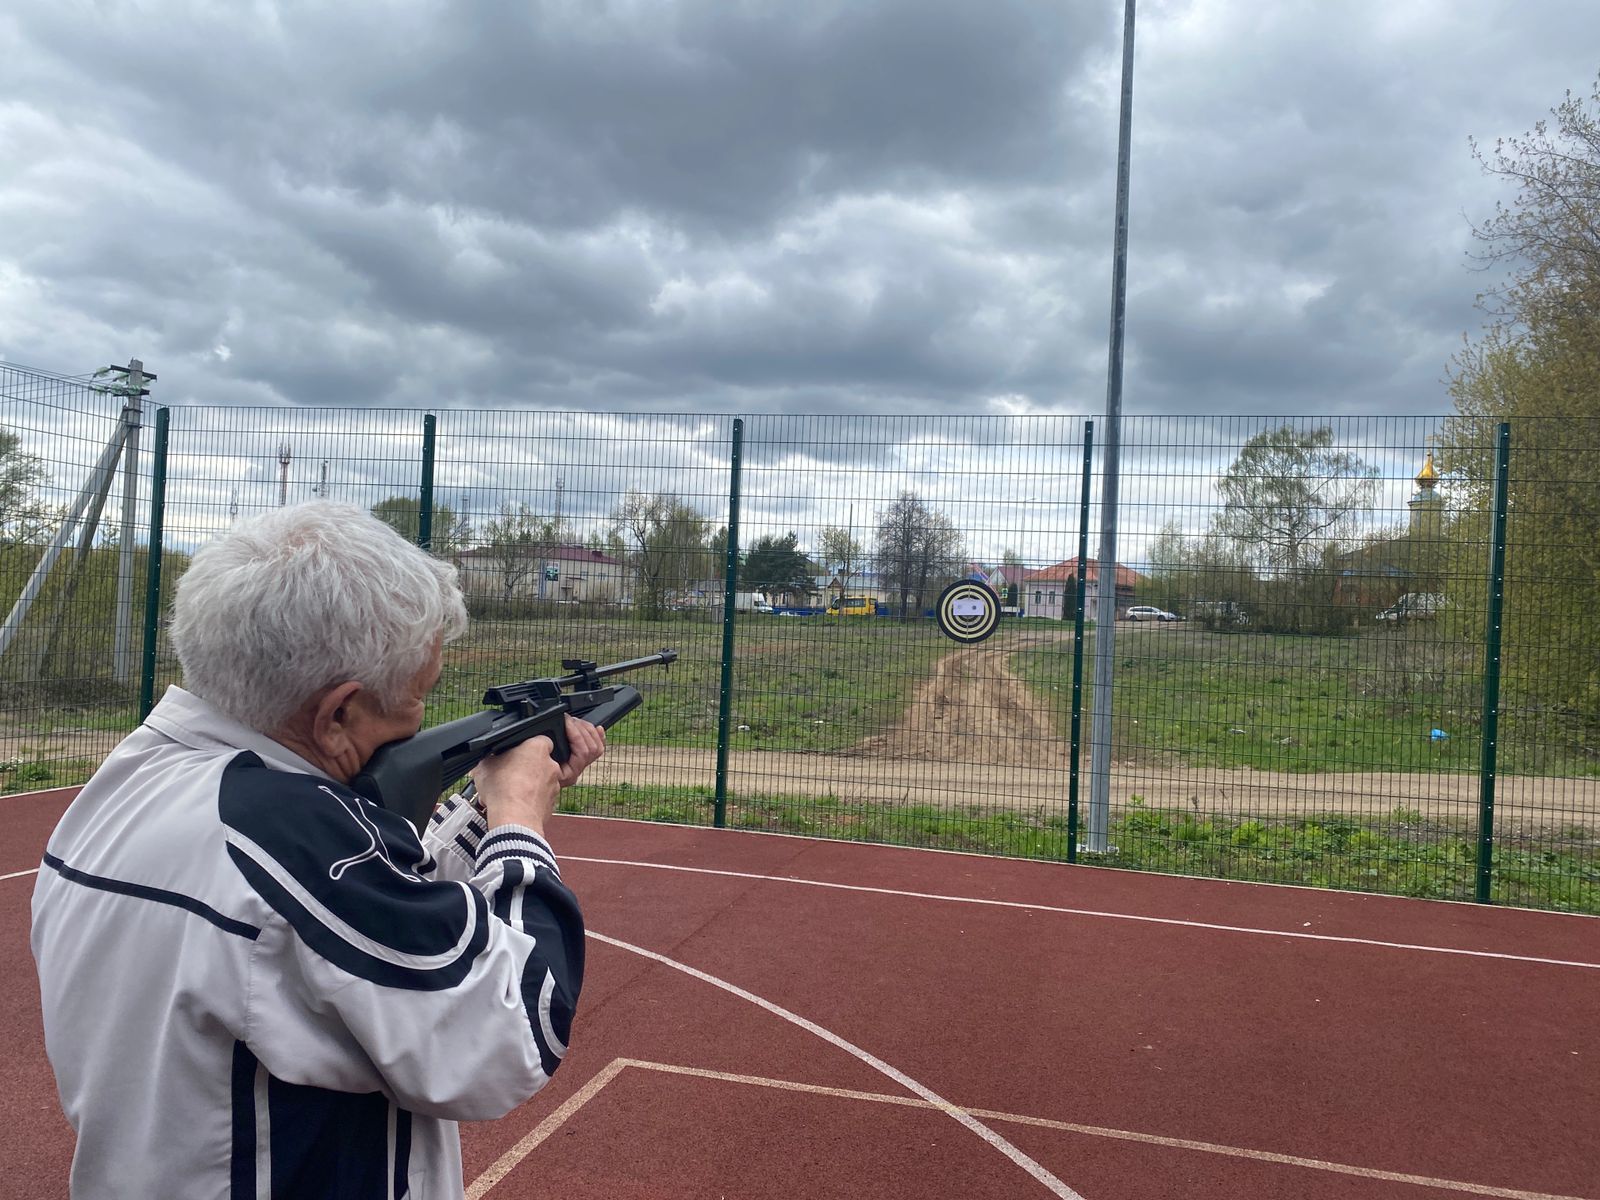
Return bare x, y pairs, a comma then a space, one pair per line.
1149, 612
1414, 606
853, 606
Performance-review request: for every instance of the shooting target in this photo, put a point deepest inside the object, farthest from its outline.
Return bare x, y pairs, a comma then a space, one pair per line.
968, 611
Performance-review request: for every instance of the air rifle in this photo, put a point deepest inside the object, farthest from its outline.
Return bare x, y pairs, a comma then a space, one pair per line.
408, 776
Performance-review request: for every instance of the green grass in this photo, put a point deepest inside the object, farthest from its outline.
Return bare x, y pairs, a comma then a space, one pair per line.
1365, 702
814, 684
1397, 855
35, 774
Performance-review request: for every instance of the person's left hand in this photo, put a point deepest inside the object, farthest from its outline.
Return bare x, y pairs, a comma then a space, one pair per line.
588, 743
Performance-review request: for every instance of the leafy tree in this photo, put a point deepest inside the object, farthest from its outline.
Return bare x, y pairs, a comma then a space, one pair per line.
450, 531
1537, 366
842, 552
1549, 236
517, 539
666, 541
916, 545
775, 564
24, 516
1166, 583
1288, 494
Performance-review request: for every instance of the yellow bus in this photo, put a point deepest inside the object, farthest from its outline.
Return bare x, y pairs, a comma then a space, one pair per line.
852, 606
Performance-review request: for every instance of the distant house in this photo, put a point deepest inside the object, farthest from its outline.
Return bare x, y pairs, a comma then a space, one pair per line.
1052, 591
862, 583
571, 574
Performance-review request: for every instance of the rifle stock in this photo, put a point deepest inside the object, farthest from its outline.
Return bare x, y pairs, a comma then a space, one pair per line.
409, 776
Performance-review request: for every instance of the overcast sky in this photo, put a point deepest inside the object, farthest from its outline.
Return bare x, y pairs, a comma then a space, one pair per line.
902, 206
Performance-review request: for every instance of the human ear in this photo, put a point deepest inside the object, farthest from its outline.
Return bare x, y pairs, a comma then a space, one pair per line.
332, 726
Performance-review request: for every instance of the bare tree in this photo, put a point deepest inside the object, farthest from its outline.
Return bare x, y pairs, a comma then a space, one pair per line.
915, 544
516, 538
842, 551
666, 541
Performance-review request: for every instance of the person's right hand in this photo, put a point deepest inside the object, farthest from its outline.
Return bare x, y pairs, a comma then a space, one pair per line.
521, 785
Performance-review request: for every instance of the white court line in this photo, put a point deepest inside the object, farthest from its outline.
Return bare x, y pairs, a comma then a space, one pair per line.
507, 1162
19, 874
1089, 912
960, 1115
550, 1124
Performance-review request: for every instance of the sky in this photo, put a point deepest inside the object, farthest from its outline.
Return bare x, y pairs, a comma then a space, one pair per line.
899, 207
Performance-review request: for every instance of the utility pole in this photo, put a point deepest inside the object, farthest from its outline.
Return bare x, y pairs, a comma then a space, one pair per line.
1105, 621
133, 392
285, 457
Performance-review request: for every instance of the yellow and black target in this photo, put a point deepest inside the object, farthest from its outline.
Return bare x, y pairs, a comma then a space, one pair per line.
968, 611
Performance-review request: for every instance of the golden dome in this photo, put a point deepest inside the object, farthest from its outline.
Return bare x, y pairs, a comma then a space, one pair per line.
1428, 476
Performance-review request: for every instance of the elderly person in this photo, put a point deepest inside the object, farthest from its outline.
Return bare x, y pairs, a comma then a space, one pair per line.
257, 983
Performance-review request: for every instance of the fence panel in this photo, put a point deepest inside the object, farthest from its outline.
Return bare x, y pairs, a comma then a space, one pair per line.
864, 722
596, 536
1311, 713
1314, 716
62, 703
1547, 796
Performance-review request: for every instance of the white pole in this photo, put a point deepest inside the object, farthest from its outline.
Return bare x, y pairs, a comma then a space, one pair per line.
1098, 820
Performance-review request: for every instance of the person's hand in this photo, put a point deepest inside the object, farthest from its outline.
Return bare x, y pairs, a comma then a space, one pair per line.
521, 785
588, 743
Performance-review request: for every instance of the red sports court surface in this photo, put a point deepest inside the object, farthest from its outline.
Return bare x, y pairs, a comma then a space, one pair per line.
781, 1017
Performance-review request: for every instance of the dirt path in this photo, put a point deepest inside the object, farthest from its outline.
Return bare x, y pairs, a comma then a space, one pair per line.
975, 709
976, 735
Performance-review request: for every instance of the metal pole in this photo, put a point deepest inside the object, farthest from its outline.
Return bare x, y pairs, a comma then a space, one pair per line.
730, 584
425, 493
98, 481
1489, 751
88, 527
152, 576
1106, 576
132, 416
1077, 647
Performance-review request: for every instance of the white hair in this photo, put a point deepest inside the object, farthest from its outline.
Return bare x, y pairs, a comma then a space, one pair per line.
304, 597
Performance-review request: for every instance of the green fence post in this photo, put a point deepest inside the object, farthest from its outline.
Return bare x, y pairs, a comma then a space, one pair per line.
730, 584
425, 493
1489, 751
1077, 650
152, 578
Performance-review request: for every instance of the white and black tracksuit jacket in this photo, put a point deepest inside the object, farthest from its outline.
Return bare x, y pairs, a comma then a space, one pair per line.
258, 985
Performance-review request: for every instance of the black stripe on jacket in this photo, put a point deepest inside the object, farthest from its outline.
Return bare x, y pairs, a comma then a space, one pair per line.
324, 857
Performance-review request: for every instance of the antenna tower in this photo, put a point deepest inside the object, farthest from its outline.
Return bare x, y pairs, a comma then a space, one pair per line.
285, 456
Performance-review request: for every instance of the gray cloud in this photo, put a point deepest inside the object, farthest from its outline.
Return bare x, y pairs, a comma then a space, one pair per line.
902, 207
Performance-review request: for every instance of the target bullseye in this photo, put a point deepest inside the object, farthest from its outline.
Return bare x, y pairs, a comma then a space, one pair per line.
968, 611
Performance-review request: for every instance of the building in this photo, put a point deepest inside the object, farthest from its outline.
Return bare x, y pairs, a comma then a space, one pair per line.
1373, 575
565, 574
1052, 591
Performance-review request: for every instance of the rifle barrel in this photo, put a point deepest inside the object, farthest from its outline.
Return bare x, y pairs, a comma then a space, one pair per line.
633, 664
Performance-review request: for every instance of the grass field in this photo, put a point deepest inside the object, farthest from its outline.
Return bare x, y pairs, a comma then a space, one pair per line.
1397, 855
813, 683
1366, 702
1185, 696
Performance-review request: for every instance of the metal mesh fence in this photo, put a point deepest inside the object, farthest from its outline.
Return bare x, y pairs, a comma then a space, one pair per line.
65, 698
1299, 672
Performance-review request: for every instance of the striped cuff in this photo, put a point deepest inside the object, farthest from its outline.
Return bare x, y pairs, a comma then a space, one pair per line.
516, 841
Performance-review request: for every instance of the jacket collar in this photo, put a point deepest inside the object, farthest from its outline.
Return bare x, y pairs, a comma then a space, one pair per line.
196, 723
